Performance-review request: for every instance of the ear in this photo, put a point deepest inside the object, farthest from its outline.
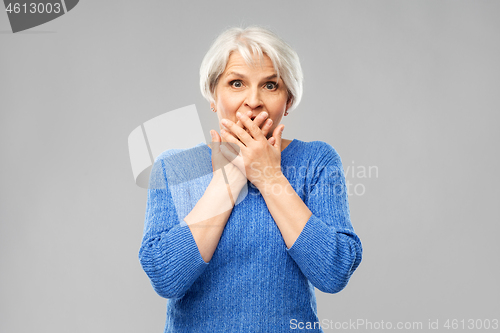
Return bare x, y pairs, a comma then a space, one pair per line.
289, 102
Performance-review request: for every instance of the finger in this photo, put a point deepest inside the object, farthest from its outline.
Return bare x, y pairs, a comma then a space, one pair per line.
239, 134
268, 123
263, 122
233, 142
229, 154
277, 135
253, 130
225, 142
218, 143
239, 123
260, 121
216, 139
231, 146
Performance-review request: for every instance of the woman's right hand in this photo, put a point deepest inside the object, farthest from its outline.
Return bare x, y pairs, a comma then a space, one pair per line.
233, 174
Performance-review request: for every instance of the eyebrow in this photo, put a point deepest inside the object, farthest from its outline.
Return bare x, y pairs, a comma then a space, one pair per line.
270, 77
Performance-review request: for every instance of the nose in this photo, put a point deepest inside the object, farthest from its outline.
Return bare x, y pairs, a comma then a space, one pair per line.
253, 99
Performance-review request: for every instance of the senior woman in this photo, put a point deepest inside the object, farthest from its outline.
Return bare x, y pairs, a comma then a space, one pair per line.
242, 249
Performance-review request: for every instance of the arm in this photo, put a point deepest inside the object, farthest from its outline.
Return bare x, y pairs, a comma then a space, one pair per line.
172, 253
318, 232
209, 217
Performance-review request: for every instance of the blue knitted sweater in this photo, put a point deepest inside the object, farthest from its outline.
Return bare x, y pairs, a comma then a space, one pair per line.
253, 283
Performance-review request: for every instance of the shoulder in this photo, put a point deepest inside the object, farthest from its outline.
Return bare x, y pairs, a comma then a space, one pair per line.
167, 154
318, 150
181, 154
172, 164
325, 163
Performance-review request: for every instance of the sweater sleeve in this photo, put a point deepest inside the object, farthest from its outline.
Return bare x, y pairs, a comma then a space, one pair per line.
168, 253
327, 249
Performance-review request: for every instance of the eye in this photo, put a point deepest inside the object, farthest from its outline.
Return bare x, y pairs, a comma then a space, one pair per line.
235, 83
271, 85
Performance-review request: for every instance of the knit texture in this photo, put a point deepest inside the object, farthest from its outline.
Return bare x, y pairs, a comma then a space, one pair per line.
253, 283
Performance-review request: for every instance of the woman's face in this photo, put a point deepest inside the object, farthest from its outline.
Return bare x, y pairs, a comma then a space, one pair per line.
243, 88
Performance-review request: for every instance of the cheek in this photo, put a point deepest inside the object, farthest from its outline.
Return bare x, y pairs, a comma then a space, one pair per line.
278, 101
277, 107
228, 102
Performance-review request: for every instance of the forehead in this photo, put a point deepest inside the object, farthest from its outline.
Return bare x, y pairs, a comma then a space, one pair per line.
236, 61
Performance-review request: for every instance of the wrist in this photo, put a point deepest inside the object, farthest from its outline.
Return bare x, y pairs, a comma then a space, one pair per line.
275, 184
223, 182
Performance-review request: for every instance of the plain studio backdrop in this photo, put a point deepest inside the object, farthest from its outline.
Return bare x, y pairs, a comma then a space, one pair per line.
408, 90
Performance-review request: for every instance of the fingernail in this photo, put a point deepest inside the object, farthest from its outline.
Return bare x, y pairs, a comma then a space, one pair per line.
238, 114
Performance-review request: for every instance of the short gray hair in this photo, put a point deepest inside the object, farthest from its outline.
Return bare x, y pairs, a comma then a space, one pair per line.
248, 41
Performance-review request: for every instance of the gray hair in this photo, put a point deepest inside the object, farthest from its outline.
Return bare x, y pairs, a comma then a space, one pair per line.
252, 40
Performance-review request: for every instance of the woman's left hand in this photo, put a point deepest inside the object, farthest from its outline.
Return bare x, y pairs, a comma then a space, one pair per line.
257, 158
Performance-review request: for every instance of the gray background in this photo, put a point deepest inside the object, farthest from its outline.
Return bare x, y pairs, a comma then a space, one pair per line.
410, 87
